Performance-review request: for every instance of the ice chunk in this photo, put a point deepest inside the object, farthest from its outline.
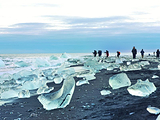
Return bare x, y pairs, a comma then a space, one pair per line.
142, 88
60, 98
153, 110
155, 76
5, 76
53, 57
119, 60
128, 63
81, 82
58, 80
2, 64
9, 94
65, 55
105, 92
22, 64
41, 63
24, 94
34, 84
44, 89
143, 63
88, 76
119, 80
158, 118
135, 66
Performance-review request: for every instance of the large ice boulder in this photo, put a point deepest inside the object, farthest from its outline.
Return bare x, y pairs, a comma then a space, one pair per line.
60, 98
119, 80
142, 88
2, 64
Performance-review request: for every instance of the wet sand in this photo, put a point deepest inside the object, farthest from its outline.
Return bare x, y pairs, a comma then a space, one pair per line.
88, 104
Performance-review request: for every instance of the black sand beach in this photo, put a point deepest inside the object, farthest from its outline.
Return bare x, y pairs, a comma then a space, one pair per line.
88, 104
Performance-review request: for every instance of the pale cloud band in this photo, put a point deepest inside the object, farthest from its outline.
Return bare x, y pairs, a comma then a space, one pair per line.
36, 17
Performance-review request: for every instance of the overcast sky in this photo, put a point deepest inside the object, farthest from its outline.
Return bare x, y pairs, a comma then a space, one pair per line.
55, 26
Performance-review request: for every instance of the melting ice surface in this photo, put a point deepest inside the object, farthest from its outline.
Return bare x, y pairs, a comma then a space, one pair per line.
25, 76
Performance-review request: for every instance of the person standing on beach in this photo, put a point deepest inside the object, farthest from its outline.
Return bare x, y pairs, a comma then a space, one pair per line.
107, 53
99, 53
142, 53
134, 52
118, 54
157, 53
95, 53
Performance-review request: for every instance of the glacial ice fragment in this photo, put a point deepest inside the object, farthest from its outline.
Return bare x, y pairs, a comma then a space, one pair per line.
34, 84
60, 98
142, 88
53, 57
41, 63
105, 92
119, 80
21, 64
155, 76
9, 94
2, 64
88, 76
81, 82
153, 110
65, 55
44, 89
58, 80
24, 94
158, 118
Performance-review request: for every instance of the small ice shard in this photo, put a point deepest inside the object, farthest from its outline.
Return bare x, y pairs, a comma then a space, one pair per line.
142, 88
128, 63
53, 57
2, 64
60, 98
24, 94
119, 80
58, 80
153, 110
21, 64
81, 82
44, 89
155, 76
105, 92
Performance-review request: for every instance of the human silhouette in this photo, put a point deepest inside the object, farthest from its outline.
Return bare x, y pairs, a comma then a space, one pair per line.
99, 53
142, 53
95, 53
107, 53
157, 53
118, 54
134, 52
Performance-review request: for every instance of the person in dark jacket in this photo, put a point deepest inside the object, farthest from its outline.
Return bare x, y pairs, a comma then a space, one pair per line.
107, 53
157, 53
134, 52
118, 54
99, 53
142, 53
95, 53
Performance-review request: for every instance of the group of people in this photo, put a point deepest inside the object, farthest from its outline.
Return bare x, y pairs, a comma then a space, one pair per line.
107, 53
134, 53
